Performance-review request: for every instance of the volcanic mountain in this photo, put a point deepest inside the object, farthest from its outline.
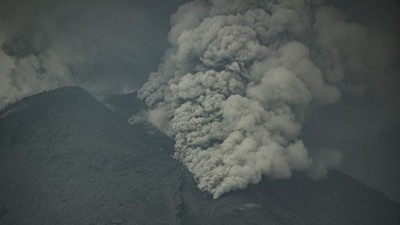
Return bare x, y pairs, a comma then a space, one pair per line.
67, 158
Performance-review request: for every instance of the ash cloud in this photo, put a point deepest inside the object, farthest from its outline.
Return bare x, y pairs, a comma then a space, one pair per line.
320, 77
242, 78
104, 46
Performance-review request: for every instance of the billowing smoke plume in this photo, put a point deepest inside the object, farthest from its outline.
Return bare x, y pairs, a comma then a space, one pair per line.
242, 77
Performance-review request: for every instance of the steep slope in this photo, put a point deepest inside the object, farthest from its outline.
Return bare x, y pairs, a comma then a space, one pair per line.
67, 159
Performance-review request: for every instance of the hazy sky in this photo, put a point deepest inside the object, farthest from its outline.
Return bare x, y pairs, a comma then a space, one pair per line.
366, 129
108, 46
111, 47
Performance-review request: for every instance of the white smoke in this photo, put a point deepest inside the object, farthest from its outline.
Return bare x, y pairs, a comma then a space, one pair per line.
241, 77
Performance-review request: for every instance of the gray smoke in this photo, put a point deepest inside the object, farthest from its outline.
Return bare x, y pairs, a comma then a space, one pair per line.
242, 77
105, 46
25, 75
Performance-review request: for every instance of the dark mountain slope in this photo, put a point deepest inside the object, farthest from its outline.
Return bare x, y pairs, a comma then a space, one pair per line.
337, 199
67, 159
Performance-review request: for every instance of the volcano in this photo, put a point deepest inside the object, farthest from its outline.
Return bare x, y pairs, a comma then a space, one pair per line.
67, 158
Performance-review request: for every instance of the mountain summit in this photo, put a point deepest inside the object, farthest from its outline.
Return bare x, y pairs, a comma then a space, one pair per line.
66, 158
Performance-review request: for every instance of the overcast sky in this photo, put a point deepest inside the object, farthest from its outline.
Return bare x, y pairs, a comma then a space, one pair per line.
111, 47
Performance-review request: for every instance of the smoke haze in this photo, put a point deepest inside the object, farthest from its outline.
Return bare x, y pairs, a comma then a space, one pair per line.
105, 46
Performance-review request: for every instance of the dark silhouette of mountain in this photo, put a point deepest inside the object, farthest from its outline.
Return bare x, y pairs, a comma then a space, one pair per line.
65, 158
